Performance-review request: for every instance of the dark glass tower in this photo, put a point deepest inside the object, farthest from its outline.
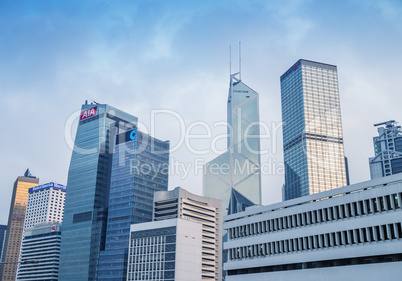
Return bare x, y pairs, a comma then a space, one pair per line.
140, 167
87, 198
3, 231
312, 129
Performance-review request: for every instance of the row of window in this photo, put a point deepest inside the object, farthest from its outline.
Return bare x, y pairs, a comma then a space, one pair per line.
152, 257
344, 211
319, 264
320, 241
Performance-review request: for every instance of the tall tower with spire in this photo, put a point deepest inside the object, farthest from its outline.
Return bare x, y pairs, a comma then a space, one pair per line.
234, 176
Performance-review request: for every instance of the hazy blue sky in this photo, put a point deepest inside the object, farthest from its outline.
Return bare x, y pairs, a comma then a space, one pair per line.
144, 55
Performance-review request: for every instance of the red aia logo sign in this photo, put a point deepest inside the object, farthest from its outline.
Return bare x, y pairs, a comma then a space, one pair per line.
53, 228
88, 113
295, 67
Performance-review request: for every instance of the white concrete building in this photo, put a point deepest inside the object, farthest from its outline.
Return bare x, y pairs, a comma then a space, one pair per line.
183, 243
349, 233
45, 208
179, 203
41, 243
167, 250
45, 204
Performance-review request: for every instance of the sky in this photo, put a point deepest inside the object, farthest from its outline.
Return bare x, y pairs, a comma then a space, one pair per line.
167, 62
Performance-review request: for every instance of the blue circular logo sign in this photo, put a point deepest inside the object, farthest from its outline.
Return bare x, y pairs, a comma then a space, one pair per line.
132, 135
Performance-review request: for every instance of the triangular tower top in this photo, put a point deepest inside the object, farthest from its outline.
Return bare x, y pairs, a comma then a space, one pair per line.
28, 174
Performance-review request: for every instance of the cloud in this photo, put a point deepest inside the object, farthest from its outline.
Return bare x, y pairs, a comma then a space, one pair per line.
164, 33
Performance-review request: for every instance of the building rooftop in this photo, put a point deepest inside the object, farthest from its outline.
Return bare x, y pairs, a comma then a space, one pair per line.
358, 187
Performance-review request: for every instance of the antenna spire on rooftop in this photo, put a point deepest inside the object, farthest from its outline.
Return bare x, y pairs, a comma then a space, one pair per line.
230, 60
233, 76
240, 60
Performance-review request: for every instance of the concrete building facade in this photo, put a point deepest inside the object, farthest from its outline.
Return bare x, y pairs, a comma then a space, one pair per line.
350, 233
45, 204
182, 204
41, 243
167, 250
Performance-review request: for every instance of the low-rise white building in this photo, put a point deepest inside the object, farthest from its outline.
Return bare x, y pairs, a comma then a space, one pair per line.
166, 250
179, 203
349, 233
183, 243
41, 243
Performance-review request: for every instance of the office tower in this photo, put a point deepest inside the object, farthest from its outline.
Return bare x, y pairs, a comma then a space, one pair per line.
140, 167
182, 204
3, 231
15, 224
388, 150
312, 129
41, 243
350, 233
237, 171
87, 199
45, 204
167, 250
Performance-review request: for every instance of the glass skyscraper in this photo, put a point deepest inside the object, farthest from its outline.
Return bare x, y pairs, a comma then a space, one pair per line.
3, 231
312, 129
140, 167
239, 167
15, 226
87, 198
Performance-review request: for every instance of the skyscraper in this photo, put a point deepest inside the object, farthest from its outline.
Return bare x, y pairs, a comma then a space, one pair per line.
15, 225
87, 198
45, 204
236, 173
140, 168
312, 129
388, 150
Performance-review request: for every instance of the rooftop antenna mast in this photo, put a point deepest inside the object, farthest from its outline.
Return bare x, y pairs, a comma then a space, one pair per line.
233, 76
240, 60
230, 60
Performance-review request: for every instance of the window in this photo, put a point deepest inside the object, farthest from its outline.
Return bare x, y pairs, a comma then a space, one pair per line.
81, 217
